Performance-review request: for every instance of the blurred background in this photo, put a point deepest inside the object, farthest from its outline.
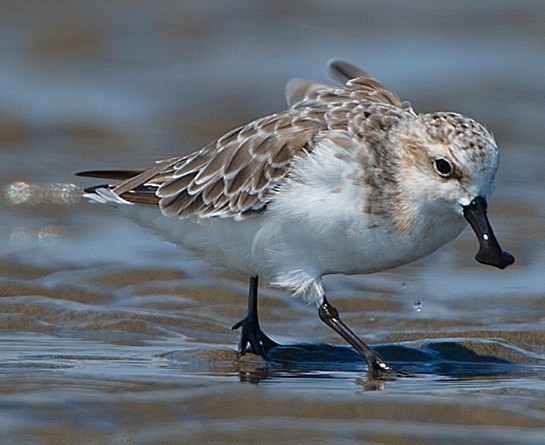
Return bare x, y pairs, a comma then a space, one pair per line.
88, 297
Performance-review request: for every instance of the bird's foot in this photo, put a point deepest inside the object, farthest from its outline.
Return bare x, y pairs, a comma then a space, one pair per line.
380, 370
253, 336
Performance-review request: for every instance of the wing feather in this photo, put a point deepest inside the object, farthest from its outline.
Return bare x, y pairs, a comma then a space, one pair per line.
212, 192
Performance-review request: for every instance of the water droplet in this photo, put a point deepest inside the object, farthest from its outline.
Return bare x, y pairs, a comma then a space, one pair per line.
417, 305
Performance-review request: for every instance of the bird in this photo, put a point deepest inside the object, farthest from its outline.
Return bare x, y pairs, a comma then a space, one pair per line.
349, 179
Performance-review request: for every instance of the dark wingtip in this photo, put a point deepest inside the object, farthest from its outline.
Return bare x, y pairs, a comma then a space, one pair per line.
109, 174
343, 71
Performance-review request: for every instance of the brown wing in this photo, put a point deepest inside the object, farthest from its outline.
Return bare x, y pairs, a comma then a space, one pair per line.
235, 175
231, 177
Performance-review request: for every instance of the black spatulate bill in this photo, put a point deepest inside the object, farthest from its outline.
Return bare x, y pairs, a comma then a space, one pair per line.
490, 251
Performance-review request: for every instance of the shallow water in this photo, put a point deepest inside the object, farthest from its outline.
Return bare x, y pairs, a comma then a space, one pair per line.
110, 335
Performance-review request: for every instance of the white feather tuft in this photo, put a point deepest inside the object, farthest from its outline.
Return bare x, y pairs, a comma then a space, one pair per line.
105, 195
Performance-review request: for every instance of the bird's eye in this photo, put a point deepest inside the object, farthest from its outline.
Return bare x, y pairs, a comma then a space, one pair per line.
443, 167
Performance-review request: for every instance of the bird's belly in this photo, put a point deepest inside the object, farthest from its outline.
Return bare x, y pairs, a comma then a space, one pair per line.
376, 252
222, 241
353, 249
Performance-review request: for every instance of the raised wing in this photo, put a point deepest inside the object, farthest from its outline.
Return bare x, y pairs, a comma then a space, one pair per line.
364, 87
357, 85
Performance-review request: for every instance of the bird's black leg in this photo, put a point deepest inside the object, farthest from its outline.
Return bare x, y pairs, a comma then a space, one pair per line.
377, 366
251, 332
